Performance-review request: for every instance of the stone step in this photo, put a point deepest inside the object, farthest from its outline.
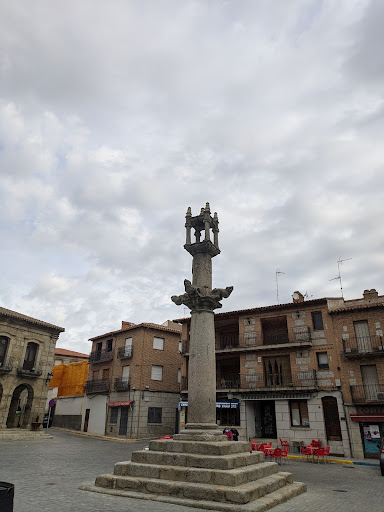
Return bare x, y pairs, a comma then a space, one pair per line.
241, 494
232, 478
260, 505
223, 462
206, 448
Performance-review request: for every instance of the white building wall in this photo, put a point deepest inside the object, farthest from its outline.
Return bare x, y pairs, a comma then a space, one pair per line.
97, 415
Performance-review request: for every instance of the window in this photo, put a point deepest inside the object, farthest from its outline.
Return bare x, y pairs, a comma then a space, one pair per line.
322, 360
317, 320
180, 347
125, 375
106, 374
95, 375
157, 373
158, 343
3, 348
299, 413
128, 347
113, 416
99, 346
179, 375
109, 345
154, 414
228, 416
30, 356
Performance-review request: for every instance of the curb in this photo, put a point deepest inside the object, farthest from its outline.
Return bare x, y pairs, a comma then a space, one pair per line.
97, 436
341, 461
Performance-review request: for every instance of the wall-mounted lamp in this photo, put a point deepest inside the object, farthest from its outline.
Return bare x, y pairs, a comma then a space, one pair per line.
49, 377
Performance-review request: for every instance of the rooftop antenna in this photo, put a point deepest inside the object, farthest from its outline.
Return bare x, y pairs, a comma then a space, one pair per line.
339, 261
277, 284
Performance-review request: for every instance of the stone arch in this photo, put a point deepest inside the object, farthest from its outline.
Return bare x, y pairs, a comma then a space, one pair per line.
21, 401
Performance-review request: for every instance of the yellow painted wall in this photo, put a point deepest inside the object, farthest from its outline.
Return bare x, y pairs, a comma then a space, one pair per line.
70, 378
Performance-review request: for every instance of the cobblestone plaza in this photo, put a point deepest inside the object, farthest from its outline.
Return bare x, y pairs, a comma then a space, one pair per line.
47, 475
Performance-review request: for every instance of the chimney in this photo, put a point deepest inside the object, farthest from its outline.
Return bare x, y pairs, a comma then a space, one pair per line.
297, 297
370, 294
125, 325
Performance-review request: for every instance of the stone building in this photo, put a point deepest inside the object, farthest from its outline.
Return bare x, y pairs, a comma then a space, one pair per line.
27, 348
358, 329
277, 373
135, 372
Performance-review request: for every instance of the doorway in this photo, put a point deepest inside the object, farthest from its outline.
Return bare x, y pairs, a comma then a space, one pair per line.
123, 421
86, 419
265, 419
20, 409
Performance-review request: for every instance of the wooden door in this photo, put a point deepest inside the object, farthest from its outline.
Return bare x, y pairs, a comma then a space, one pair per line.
331, 418
123, 421
370, 381
363, 339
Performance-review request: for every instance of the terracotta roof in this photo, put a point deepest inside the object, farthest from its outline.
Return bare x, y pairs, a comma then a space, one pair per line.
137, 326
289, 305
70, 353
20, 316
357, 307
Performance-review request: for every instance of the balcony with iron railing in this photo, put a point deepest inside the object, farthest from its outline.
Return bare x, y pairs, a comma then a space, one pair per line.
300, 336
124, 352
97, 386
101, 356
121, 385
367, 393
29, 369
363, 346
6, 366
262, 382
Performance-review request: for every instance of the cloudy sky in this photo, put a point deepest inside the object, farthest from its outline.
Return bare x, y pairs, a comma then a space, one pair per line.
115, 116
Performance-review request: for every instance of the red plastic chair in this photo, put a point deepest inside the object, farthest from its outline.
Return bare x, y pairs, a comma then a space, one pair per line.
284, 454
276, 454
305, 452
254, 445
326, 453
165, 437
283, 443
261, 447
320, 453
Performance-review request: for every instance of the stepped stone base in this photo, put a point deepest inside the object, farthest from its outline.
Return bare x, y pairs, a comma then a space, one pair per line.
19, 434
214, 475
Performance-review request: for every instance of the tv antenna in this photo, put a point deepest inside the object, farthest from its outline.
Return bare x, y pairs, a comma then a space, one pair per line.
339, 262
277, 284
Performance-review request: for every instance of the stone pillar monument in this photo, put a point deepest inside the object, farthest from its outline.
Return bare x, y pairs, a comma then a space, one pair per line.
199, 467
201, 299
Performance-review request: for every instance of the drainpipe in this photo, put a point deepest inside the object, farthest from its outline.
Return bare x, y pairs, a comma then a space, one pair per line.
346, 423
141, 382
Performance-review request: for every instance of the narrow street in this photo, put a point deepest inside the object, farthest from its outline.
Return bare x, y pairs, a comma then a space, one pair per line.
47, 475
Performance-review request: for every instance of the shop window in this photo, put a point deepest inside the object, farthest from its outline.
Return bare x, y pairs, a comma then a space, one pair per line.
154, 414
157, 372
322, 360
228, 417
317, 321
158, 343
299, 413
113, 415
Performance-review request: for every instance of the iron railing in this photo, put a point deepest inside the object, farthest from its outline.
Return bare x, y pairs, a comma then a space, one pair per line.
281, 380
367, 393
100, 356
124, 352
97, 386
29, 370
121, 384
363, 345
227, 340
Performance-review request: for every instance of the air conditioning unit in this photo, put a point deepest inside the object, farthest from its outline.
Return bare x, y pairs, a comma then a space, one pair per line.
380, 396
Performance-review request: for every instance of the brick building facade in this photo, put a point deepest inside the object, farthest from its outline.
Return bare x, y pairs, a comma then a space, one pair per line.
277, 373
358, 328
138, 369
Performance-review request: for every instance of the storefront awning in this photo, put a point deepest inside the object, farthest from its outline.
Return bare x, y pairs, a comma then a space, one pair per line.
120, 404
219, 405
367, 418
